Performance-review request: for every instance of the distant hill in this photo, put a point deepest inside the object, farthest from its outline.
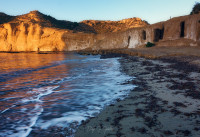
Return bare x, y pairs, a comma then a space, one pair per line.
87, 26
115, 26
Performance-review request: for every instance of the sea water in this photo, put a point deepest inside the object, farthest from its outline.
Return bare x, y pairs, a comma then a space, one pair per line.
44, 94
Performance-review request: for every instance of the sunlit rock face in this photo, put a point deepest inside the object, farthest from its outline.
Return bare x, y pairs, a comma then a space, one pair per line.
115, 26
38, 32
28, 33
29, 37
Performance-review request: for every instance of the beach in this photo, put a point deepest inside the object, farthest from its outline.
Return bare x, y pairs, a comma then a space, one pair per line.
165, 101
100, 69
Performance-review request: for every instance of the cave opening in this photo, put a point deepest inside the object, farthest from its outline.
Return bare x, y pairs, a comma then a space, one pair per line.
129, 38
158, 34
144, 35
162, 33
55, 49
182, 27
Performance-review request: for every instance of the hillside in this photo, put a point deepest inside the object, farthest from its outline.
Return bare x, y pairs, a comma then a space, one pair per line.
4, 18
115, 26
38, 32
87, 26
43, 20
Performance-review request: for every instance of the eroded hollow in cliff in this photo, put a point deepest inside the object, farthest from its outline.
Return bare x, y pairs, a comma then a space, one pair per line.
129, 38
182, 27
162, 33
144, 35
158, 34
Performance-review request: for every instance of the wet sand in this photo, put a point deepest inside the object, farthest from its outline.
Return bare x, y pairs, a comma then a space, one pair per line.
166, 101
150, 53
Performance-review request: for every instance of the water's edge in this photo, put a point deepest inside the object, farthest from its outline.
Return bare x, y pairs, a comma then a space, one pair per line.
36, 86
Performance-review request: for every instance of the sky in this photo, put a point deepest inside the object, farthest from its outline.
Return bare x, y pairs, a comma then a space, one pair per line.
152, 11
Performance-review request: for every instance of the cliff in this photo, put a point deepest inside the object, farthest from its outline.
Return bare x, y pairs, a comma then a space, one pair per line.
115, 26
179, 31
38, 32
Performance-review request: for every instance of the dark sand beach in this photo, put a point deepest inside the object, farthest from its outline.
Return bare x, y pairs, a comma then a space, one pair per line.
166, 101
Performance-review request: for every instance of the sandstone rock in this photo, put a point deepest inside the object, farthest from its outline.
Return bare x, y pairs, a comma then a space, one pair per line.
115, 26
38, 32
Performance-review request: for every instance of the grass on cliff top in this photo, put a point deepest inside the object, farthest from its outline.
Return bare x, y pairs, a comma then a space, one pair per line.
195, 9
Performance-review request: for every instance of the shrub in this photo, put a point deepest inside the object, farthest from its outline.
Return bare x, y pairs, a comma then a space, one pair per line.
196, 8
149, 44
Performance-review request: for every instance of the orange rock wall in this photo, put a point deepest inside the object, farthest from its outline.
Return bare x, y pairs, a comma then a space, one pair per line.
32, 37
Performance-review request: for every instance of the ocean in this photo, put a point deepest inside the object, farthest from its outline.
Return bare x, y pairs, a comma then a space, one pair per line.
51, 94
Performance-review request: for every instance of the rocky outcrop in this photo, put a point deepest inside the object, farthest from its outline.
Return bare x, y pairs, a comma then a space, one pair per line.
115, 26
29, 37
38, 32
43, 20
179, 31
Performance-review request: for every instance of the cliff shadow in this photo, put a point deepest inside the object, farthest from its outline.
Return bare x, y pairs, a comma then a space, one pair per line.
4, 18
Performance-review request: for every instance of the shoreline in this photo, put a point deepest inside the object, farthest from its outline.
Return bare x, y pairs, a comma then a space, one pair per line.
144, 52
149, 53
167, 80
164, 103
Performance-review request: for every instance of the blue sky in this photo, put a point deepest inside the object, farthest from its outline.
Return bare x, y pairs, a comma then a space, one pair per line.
77, 10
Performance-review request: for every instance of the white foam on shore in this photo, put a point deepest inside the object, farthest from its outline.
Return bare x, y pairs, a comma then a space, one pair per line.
7, 109
101, 93
23, 130
88, 87
63, 121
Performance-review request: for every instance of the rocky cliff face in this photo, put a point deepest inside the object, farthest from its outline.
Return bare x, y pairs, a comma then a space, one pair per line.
115, 26
43, 20
38, 32
29, 37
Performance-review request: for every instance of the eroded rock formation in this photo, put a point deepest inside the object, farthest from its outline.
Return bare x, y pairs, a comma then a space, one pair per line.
115, 26
38, 32
29, 37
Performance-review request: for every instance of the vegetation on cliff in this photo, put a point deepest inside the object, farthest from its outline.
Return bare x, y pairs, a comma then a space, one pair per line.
149, 44
196, 8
